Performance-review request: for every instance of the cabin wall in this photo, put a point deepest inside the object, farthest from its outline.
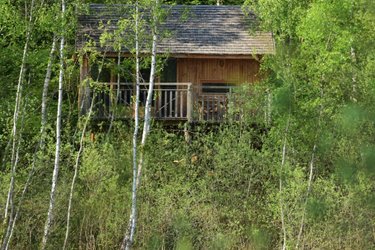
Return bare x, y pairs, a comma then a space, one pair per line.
174, 101
215, 71
235, 71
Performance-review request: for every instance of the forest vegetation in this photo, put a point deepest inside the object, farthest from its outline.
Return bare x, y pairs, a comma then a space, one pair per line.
296, 171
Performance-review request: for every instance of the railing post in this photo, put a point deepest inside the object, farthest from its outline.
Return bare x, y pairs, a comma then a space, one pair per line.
158, 112
189, 103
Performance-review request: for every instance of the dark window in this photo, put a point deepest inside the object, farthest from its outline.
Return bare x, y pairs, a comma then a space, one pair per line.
169, 73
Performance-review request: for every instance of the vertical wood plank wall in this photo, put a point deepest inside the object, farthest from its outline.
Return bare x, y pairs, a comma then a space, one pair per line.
235, 71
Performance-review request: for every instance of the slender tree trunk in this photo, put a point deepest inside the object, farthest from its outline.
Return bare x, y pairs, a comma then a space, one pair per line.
41, 140
353, 96
12, 217
268, 108
311, 172
58, 140
309, 184
16, 111
147, 117
129, 235
47, 80
11, 204
281, 201
76, 172
128, 240
76, 166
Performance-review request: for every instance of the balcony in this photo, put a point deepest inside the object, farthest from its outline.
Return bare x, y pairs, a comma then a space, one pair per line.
170, 102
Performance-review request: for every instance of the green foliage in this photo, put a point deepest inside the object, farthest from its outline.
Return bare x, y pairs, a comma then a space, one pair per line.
321, 88
221, 191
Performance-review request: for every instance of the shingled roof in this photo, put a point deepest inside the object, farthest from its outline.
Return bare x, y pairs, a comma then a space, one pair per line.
196, 29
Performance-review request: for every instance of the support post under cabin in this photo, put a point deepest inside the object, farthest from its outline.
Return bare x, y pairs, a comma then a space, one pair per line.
189, 111
84, 89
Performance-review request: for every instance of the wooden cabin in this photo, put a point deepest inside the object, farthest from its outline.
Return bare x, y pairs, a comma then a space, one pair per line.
211, 49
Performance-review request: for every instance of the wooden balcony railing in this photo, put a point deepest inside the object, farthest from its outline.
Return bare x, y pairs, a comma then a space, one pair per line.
171, 101
212, 107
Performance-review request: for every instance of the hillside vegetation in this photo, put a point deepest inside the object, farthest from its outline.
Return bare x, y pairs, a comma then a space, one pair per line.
295, 171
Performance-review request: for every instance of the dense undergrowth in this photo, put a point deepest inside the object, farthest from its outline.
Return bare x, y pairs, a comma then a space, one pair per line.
292, 164
218, 192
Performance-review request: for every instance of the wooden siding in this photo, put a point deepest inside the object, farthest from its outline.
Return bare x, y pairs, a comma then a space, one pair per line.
200, 71
235, 71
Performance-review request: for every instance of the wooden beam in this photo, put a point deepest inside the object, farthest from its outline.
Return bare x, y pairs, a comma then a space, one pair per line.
186, 55
84, 91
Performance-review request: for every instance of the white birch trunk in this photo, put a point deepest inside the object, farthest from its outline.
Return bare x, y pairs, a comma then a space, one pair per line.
16, 112
9, 202
311, 172
354, 78
76, 165
309, 184
147, 117
58, 140
4, 244
129, 235
76, 172
47, 80
268, 108
281, 201
13, 216
41, 140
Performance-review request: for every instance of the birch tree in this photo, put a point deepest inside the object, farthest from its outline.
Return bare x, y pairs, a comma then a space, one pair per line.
147, 117
137, 165
58, 138
47, 79
68, 216
281, 200
9, 201
12, 215
129, 235
79, 153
